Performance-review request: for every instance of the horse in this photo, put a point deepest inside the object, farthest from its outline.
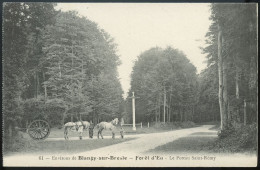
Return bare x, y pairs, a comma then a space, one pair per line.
107, 126
78, 126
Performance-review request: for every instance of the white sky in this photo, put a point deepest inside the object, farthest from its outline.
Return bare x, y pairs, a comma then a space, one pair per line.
137, 27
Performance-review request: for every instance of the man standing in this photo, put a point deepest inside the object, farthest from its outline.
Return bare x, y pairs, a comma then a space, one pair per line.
91, 128
80, 130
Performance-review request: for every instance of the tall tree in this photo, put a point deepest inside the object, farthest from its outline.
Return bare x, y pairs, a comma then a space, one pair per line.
164, 79
21, 25
234, 55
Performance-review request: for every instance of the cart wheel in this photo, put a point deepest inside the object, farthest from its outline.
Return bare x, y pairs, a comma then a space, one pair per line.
39, 130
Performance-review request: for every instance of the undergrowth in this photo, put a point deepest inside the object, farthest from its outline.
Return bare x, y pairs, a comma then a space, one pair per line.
239, 139
174, 125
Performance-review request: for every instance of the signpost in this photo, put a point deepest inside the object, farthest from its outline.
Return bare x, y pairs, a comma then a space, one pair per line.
133, 107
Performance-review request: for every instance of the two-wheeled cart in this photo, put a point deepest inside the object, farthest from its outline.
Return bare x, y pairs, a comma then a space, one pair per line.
38, 129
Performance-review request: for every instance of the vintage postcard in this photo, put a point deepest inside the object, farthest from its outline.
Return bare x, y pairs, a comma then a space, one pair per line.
129, 84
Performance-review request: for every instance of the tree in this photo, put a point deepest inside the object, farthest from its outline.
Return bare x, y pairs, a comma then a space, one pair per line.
233, 50
164, 79
77, 56
20, 30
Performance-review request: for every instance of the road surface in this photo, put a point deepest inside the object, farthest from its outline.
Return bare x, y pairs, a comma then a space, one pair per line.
133, 153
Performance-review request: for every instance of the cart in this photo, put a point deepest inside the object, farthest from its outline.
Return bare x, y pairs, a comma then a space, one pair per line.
38, 129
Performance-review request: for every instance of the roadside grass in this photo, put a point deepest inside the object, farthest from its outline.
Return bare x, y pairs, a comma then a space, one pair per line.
209, 142
191, 144
64, 146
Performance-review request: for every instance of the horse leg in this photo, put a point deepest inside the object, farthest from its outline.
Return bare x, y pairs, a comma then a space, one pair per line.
113, 135
65, 133
101, 134
98, 133
90, 132
80, 135
80, 130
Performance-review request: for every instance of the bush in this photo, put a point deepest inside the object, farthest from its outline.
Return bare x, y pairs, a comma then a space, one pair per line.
187, 124
51, 110
15, 144
235, 140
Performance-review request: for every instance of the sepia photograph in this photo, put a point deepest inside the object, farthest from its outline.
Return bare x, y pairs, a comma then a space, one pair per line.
129, 84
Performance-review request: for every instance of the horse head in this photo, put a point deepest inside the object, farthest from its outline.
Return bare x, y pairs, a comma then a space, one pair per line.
115, 121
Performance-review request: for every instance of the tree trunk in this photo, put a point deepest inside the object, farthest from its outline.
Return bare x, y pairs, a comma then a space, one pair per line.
192, 108
170, 115
185, 114
38, 84
45, 88
10, 130
237, 82
238, 76
164, 104
220, 74
60, 70
156, 117
226, 115
244, 112
181, 112
63, 117
71, 117
159, 108
35, 86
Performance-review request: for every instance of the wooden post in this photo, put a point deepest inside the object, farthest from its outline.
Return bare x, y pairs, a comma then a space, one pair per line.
141, 125
244, 112
148, 124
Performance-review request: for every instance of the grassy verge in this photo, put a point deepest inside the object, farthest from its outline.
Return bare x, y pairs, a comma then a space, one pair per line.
63, 146
190, 144
241, 140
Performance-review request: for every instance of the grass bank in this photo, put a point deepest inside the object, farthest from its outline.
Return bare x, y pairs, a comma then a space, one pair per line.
63, 146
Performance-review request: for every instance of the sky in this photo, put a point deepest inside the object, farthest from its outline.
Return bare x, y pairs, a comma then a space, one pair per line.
137, 27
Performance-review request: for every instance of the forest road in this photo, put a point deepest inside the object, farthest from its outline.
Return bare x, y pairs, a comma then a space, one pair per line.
146, 142
133, 153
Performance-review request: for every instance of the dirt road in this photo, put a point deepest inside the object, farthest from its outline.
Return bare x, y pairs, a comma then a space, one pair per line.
133, 153
145, 142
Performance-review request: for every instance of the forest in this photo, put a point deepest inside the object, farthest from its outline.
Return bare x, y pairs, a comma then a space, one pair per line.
57, 66
170, 90
62, 67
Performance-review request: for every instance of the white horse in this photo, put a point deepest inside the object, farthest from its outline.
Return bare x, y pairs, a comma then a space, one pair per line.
107, 126
75, 126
